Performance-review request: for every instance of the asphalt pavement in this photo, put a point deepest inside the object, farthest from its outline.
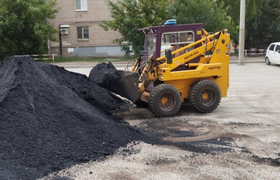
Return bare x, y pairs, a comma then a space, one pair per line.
239, 140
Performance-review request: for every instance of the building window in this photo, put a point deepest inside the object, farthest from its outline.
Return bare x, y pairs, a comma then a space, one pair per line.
83, 33
81, 5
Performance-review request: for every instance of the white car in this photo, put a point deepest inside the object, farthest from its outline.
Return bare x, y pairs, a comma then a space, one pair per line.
273, 53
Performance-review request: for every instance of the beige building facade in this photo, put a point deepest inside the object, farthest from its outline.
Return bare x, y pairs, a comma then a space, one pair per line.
81, 35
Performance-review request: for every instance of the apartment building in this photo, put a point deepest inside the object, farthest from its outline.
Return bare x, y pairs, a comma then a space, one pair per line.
81, 35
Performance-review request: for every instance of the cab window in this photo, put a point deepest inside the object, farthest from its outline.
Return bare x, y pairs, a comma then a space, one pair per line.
181, 38
150, 44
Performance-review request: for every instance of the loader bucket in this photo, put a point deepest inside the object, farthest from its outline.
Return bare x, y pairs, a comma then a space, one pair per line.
124, 83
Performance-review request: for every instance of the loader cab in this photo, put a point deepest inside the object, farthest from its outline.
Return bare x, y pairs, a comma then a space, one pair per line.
159, 38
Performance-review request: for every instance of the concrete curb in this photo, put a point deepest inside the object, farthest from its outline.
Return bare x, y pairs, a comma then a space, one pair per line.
257, 59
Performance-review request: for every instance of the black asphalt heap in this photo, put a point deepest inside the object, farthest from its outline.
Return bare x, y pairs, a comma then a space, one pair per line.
52, 119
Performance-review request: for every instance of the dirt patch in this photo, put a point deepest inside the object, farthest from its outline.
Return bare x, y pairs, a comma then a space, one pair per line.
52, 119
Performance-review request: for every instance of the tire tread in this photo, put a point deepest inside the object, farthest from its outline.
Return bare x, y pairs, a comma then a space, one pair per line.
194, 93
155, 92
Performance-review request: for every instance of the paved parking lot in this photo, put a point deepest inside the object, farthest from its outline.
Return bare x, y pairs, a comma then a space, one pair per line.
239, 140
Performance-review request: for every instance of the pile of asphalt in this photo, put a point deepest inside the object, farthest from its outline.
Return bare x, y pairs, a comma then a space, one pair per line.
51, 119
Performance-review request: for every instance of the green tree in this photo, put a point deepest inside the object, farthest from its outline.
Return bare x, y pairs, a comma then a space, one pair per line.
130, 15
23, 26
212, 14
253, 19
268, 24
252, 9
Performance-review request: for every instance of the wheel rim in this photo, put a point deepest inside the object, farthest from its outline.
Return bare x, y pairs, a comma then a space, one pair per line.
207, 97
166, 102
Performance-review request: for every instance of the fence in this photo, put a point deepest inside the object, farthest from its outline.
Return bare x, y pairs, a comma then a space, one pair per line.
43, 56
254, 52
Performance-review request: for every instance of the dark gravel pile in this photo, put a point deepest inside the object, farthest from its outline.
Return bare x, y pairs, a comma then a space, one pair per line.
51, 119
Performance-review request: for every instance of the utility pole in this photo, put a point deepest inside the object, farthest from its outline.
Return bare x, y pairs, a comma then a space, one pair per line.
241, 32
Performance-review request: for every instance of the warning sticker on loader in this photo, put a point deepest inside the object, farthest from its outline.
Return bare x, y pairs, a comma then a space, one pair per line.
216, 67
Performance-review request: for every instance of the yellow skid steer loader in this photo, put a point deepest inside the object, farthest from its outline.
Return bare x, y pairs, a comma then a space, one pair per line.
179, 64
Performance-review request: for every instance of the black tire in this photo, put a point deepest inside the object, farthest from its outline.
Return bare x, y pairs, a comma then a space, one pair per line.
164, 100
205, 96
267, 61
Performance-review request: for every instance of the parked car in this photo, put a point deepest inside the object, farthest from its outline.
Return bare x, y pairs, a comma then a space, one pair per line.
273, 53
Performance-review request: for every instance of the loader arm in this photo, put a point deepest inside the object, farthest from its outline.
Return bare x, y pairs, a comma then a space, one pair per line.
207, 45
